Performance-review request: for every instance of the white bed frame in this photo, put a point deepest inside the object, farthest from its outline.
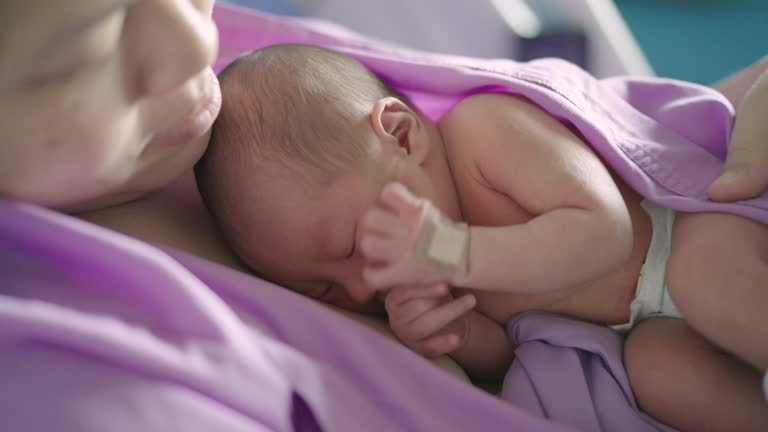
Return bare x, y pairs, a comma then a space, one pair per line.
489, 28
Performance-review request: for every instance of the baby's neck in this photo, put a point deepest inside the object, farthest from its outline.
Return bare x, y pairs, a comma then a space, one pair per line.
438, 168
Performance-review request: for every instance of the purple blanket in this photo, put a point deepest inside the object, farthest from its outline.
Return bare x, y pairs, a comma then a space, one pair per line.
114, 334
99, 331
572, 372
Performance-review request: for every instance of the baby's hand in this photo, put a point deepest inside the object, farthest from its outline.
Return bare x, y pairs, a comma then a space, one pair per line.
407, 241
427, 319
746, 168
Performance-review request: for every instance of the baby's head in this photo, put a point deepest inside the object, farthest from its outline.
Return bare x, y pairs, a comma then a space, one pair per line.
303, 107
306, 139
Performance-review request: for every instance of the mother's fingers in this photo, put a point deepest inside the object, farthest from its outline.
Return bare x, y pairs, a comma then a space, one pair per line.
739, 182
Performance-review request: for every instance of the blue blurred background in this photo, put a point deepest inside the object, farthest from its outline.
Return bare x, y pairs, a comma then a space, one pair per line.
698, 40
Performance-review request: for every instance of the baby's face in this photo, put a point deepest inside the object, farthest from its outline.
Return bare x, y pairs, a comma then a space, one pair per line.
102, 100
306, 238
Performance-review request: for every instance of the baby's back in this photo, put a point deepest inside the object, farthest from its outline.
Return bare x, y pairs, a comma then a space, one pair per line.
605, 299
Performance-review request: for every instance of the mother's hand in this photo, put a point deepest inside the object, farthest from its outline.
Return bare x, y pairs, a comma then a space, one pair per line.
746, 168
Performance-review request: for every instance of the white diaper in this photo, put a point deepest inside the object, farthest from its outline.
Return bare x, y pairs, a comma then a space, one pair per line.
651, 295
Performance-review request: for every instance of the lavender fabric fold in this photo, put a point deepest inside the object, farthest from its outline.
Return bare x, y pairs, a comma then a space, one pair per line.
572, 371
102, 332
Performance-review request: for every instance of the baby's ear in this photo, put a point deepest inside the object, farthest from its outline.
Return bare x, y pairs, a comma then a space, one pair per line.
400, 129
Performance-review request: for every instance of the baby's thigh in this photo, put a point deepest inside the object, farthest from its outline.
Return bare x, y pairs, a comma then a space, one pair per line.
710, 252
658, 356
655, 346
682, 379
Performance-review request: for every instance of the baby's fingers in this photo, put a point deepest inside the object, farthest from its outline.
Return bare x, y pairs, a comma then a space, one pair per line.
401, 294
399, 198
439, 345
383, 276
435, 320
380, 249
380, 221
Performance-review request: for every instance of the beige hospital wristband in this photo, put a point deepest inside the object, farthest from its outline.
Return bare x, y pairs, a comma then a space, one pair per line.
447, 245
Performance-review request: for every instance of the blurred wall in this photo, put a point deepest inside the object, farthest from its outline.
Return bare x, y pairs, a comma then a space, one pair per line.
590, 33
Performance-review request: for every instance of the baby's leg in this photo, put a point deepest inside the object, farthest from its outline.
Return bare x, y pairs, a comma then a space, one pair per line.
683, 380
718, 279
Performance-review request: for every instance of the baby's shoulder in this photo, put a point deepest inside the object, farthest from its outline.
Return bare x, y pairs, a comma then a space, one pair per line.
495, 122
487, 114
484, 107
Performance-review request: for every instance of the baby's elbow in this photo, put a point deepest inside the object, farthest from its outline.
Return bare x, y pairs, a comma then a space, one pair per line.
625, 237
619, 236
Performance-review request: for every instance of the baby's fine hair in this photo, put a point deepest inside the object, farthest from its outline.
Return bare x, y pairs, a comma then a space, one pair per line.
304, 109
302, 106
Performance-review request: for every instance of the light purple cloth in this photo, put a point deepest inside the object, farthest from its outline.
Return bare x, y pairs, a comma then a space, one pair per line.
572, 371
99, 331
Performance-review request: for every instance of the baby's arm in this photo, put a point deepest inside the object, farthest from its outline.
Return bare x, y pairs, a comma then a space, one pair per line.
581, 229
746, 168
486, 354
